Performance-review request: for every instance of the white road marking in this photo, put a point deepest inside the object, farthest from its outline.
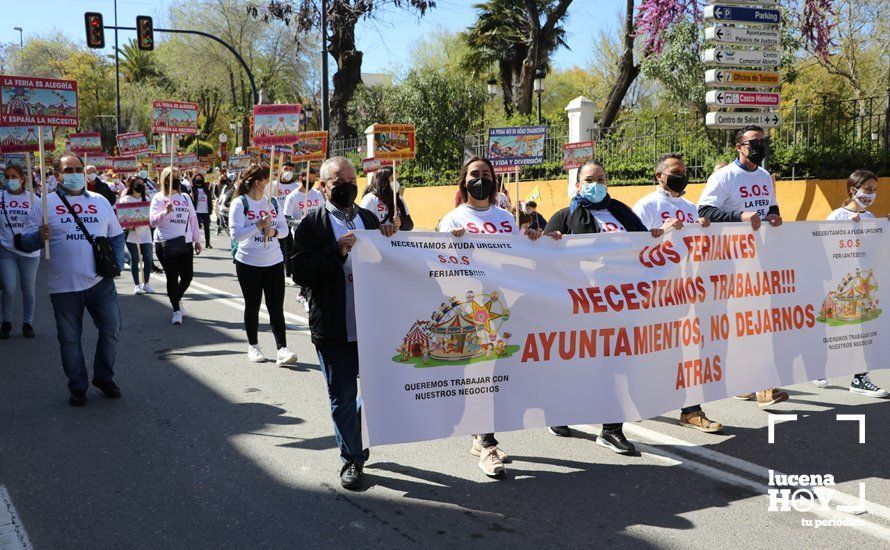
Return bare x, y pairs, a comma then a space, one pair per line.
12, 532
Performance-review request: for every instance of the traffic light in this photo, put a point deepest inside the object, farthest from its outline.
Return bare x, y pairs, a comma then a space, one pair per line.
145, 32
95, 30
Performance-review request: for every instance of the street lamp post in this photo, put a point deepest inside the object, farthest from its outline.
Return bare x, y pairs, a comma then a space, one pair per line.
308, 112
492, 88
539, 89
21, 40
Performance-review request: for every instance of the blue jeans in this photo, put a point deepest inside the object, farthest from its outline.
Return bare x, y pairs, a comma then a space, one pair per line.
18, 270
101, 301
134, 261
340, 367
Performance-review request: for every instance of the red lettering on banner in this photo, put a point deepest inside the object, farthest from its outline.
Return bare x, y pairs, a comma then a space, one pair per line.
697, 372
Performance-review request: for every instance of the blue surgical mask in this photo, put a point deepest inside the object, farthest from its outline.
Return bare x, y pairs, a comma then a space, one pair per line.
13, 184
143, 174
73, 182
594, 192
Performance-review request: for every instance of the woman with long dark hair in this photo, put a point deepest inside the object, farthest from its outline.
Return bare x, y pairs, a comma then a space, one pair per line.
257, 223
479, 213
138, 240
177, 238
380, 201
202, 198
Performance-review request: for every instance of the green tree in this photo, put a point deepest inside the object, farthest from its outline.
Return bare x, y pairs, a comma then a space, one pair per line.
137, 65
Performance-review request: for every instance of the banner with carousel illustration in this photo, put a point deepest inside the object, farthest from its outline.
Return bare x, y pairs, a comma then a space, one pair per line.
488, 333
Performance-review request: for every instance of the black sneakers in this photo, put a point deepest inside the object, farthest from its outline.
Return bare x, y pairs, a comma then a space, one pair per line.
77, 398
614, 440
560, 431
5, 331
109, 388
863, 385
28, 331
351, 475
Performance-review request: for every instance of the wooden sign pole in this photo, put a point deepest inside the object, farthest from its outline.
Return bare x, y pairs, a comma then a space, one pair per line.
395, 194
29, 180
306, 192
516, 198
170, 179
43, 195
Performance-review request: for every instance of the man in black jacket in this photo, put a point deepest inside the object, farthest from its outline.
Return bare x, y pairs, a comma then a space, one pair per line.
321, 265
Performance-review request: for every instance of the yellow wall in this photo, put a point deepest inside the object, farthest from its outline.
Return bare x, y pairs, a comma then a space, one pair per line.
798, 199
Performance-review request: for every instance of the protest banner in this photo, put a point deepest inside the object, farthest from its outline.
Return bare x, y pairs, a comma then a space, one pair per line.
495, 332
85, 143
238, 163
371, 165
516, 146
27, 101
187, 161
174, 117
310, 146
124, 165
132, 143
23, 139
133, 215
18, 159
394, 141
574, 155
101, 161
276, 124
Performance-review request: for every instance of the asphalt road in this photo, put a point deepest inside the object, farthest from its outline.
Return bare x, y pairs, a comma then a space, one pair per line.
207, 450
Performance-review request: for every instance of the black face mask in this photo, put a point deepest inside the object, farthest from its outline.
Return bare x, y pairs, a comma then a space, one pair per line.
757, 149
199, 183
676, 182
480, 188
343, 195
139, 188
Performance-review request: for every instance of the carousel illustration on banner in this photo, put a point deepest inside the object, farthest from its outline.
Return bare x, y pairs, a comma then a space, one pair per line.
460, 332
853, 302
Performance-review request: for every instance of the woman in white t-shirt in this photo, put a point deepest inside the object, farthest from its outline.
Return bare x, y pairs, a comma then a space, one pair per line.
173, 216
257, 223
862, 190
479, 213
16, 266
139, 239
380, 201
202, 198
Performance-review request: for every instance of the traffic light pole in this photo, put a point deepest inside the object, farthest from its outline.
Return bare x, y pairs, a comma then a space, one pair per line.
253, 88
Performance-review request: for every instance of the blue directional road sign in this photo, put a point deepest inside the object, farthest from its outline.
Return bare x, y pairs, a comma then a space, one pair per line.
736, 14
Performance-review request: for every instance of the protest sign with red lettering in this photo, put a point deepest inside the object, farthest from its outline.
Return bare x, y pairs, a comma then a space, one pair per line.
133, 215
124, 165
310, 146
174, 117
86, 142
574, 155
394, 141
371, 165
26, 101
187, 161
495, 332
101, 161
23, 139
132, 143
276, 124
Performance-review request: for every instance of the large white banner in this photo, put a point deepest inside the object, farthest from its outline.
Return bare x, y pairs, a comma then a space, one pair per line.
491, 333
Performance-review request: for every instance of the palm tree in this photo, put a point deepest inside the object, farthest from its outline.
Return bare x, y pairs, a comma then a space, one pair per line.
503, 36
137, 65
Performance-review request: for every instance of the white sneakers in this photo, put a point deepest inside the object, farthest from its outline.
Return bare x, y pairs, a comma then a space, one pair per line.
177, 318
820, 383
282, 358
182, 309
146, 288
138, 290
285, 357
303, 302
255, 354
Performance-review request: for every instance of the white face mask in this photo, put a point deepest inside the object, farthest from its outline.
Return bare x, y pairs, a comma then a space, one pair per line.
395, 186
287, 175
91, 176
864, 199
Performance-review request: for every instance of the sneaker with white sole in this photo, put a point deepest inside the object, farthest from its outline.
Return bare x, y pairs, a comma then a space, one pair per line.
146, 288
138, 290
614, 440
820, 383
477, 449
285, 357
255, 354
863, 385
490, 463
304, 302
177, 318
182, 309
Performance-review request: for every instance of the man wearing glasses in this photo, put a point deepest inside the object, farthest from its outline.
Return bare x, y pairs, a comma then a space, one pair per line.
74, 285
744, 192
323, 267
